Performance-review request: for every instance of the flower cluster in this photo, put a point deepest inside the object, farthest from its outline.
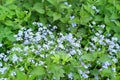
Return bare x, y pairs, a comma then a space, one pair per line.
34, 47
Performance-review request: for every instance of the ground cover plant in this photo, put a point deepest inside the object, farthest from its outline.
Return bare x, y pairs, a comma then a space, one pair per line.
59, 40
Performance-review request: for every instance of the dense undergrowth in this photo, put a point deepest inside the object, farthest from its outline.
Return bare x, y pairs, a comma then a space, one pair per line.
59, 39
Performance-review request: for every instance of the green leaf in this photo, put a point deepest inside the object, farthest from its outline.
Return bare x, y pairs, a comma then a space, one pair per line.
39, 8
107, 20
88, 8
94, 72
98, 18
84, 17
65, 58
9, 23
89, 57
9, 1
104, 58
20, 14
56, 16
12, 6
54, 2
38, 71
27, 17
55, 58
106, 72
11, 38
21, 75
56, 70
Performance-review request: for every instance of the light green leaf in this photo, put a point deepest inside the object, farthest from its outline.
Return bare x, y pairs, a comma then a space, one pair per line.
89, 57
21, 75
39, 8
56, 16
56, 70
38, 71
106, 72
104, 58
9, 23
55, 58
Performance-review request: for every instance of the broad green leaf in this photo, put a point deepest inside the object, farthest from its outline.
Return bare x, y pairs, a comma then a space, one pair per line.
39, 8
55, 2
104, 57
117, 7
20, 14
89, 57
11, 38
12, 6
9, 23
27, 17
118, 24
56, 70
9, 1
106, 72
21, 75
94, 72
88, 8
56, 16
84, 17
98, 18
107, 20
38, 71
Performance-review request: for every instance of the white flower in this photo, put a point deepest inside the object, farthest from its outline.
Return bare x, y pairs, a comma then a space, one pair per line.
70, 75
14, 58
69, 5
106, 64
97, 34
102, 26
74, 24
61, 46
5, 59
97, 10
15, 36
69, 37
2, 70
21, 68
34, 23
1, 45
113, 69
54, 27
96, 78
93, 7
26, 42
107, 40
107, 79
73, 52
13, 74
39, 24
41, 62
100, 31
90, 26
80, 71
20, 33
72, 17
1, 64
2, 55
66, 3
93, 22
3, 79
114, 38
84, 75
95, 39
114, 60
